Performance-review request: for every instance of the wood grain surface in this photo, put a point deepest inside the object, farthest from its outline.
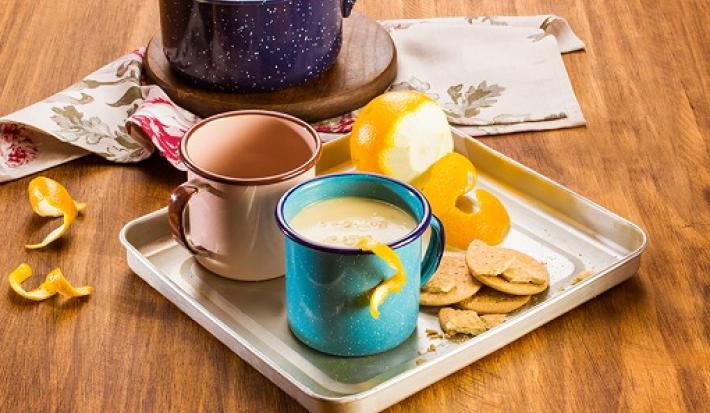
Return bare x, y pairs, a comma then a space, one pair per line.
366, 66
643, 346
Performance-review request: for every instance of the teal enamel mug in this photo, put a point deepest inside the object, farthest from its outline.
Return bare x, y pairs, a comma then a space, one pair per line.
328, 287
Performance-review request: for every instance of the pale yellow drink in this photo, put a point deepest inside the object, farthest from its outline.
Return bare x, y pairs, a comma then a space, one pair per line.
342, 222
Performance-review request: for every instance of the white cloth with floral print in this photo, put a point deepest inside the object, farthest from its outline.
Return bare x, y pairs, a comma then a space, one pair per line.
492, 75
111, 113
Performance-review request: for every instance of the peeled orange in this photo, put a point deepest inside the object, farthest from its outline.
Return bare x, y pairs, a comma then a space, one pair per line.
400, 134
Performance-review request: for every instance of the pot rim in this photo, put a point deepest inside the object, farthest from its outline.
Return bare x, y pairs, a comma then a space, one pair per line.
245, 2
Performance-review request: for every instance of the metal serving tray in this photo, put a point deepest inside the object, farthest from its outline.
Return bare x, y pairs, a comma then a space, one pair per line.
566, 231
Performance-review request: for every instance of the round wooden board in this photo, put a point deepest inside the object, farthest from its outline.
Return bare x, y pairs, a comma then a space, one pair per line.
365, 68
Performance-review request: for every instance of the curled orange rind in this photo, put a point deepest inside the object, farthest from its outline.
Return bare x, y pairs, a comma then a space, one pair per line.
49, 198
53, 284
444, 184
392, 284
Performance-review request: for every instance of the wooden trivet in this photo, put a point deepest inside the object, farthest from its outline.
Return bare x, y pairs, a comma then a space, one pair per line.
365, 68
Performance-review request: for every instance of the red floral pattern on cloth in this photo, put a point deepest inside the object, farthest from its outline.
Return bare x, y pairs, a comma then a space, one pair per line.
158, 131
341, 124
163, 122
16, 147
139, 52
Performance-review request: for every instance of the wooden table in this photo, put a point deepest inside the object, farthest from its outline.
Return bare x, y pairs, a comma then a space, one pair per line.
642, 83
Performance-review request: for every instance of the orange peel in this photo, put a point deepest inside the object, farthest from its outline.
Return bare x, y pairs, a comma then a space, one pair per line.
392, 284
450, 178
54, 283
49, 198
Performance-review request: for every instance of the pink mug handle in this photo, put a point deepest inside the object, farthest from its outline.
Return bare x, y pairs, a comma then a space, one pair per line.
179, 199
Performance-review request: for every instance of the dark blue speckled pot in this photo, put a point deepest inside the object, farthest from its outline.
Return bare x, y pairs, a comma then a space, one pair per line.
251, 45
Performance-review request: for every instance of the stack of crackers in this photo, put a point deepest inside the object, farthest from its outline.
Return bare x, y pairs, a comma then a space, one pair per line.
485, 285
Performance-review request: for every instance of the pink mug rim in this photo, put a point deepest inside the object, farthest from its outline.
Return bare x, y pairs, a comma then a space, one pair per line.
265, 180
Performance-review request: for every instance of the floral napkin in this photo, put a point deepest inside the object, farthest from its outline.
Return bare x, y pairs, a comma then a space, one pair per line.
491, 75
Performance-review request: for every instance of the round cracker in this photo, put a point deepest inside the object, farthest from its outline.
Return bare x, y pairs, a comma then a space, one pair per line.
446, 276
452, 268
486, 263
490, 301
526, 269
481, 258
498, 283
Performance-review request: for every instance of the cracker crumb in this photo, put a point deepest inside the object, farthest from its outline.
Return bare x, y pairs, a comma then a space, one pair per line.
433, 333
431, 348
581, 276
461, 321
419, 362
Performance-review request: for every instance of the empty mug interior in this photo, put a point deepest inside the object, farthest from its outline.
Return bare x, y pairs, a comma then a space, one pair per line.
250, 145
357, 185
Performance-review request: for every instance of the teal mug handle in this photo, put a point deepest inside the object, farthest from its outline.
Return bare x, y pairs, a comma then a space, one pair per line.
434, 251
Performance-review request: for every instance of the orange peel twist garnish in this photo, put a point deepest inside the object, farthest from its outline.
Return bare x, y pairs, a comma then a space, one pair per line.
392, 284
53, 284
449, 179
50, 199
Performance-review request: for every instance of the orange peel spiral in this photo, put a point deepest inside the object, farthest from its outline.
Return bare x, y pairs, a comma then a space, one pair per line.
54, 283
392, 284
49, 198
443, 184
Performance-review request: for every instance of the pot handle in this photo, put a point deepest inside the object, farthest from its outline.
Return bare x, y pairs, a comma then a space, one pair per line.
347, 7
434, 251
179, 199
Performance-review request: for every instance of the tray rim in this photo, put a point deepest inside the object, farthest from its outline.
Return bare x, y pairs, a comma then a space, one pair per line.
348, 398
518, 320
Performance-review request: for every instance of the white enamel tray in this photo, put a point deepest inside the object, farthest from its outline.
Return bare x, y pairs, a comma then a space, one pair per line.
566, 231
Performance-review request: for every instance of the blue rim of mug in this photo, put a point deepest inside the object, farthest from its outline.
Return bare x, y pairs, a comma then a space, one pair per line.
413, 235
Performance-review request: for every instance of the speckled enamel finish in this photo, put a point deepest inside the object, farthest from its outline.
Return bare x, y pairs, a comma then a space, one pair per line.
251, 45
327, 288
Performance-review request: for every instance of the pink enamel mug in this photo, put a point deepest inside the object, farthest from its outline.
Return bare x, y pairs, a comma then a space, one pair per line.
239, 165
